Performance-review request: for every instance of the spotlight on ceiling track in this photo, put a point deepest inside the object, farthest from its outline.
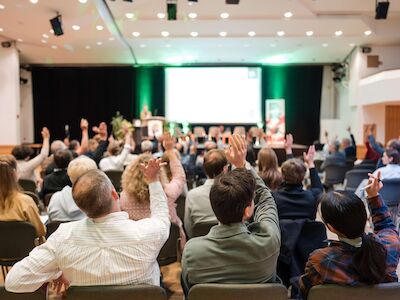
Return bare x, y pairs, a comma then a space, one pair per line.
382, 9
232, 1
192, 1
57, 25
171, 10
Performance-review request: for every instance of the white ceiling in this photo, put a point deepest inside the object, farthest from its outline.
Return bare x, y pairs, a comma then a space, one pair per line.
20, 19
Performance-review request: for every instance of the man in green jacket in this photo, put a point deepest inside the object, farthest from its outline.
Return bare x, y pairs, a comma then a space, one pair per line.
235, 251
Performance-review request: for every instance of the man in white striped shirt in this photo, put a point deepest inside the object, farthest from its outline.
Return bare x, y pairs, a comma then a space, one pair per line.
106, 248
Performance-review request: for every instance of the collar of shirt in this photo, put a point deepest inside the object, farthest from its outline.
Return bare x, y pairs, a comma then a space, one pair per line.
209, 181
224, 231
115, 216
357, 242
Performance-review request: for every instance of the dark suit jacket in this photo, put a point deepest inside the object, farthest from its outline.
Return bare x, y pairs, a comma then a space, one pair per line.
55, 182
334, 159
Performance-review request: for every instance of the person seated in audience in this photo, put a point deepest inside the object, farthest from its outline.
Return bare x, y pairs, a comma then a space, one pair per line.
135, 190
146, 146
106, 248
77, 148
48, 165
390, 160
292, 200
197, 205
335, 157
233, 252
62, 206
379, 148
268, 168
102, 139
14, 205
349, 146
357, 258
116, 158
57, 180
25, 165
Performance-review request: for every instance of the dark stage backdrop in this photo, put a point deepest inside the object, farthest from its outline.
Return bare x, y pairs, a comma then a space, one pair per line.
62, 95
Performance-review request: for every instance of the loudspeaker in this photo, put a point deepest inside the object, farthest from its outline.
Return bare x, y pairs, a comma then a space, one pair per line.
232, 1
171, 10
366, 49
382, 10
56, 25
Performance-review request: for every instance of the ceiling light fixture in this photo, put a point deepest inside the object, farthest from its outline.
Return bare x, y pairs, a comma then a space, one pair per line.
99, 27
165, 33
76, 27
136, 34
83, 1
56, 25
54, 47
367, 32
381, 10
99, 43
2, 6
34, 1
223, 33
309, 33
251, 33
161, 15
280, 33
44, 41
142, 46
45, 36
111, 38
129, 15
224, 15
1, 29
338, 33
20, 40
288, 14
194, 34
192, 15
87, 47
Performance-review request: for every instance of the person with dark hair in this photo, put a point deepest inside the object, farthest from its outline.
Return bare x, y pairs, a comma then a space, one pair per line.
197, 205
292, 200
268, 168
25, 165
349, 146
57, 180
357, 258
393, 144
117, 156
106, 248
234, 252
391, 168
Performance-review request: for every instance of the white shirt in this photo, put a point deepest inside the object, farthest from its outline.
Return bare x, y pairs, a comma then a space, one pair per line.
390, 171
62, 207
115, 163
112, 250
26, 168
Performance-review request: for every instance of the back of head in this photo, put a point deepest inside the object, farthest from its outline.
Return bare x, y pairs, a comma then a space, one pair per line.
57, 145
73, 145
79, 166
22, 152
62, 158
146, 146
113, 148
268, 168
210, 145
92, 193
214, 162
133, 182
394, 144
93, 144
293, 171
393, 155
334, 146
230, 194
345, 212
346, 142
8, 180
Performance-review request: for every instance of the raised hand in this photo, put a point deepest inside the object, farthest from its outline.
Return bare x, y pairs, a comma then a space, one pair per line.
374, 185
45, 133
84, 124
237, 151
101, 130
309, 157
168, 141
288, 143
151, 169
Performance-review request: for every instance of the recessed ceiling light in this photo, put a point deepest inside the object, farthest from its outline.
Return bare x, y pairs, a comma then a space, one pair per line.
1, 29
161, 15
87, 47
194, 33
338, 33
224, 15
20, 40
129, 15
45, 36
142, 46
136, 34
99, 43
83, 1
44, 41
2, 6
99, 27
168, 46
222, 33
76, 27
324, 45
280, 33
111, 38
288, 14
352, 45
51, 31
54, 47
34, 1
309, 33
367, 32
251, 33
192, 15
165, 33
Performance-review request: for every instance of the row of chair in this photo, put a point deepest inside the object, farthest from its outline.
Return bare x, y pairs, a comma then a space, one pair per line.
387, 291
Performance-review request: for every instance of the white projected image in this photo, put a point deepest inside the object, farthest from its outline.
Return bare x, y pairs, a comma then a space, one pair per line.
213, 95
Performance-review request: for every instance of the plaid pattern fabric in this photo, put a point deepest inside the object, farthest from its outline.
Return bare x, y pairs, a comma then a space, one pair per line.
333, 264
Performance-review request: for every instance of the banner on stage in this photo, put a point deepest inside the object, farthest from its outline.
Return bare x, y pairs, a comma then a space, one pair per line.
275, 120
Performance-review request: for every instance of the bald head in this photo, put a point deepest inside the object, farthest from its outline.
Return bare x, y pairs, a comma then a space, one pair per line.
93, 194
214, 162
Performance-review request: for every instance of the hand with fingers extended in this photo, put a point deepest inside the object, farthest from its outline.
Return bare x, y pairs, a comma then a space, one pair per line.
288, 143
45, 133
151, 170
237, 151
101, 130
309, 157
374, 185
60, 284
84, 124
168, 141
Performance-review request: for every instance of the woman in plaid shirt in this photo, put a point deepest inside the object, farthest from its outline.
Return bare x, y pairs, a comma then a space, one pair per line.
357, 258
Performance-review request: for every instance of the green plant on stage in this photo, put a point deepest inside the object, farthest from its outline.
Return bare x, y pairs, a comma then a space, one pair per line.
118, 123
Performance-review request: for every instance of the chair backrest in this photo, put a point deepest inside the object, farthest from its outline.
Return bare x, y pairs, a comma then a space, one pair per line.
354, 178
384, 291
201, 229
47, 198
33, 195
262, 291
391, 191
169, 252
318, 163
180, 206
27, 185
335, 174
112, 292
115, 177
239, 130
52, 226
369, 167
37, 295
18, 239
213, 131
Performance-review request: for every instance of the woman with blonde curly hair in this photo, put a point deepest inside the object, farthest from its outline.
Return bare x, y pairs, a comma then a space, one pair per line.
135, 199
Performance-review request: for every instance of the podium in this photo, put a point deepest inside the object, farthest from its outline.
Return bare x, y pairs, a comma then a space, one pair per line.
153, 129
